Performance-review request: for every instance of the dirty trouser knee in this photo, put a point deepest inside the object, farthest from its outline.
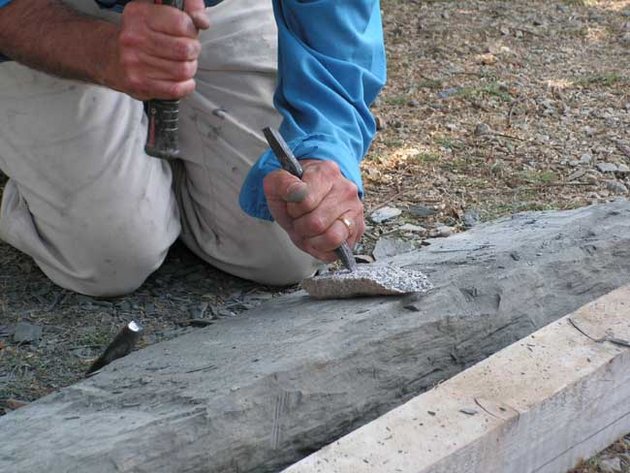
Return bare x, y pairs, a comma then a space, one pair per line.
221, 137
93, 211
98, 215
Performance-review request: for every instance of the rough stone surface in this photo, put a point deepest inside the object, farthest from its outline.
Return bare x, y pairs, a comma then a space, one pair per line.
26, 333
443, 231
576, 175
385, 214
586, 158
388, 247
616, 187
408, 227
623, 169
421, 211
606, 167
611, 465
471, 218
367, 280
258, 392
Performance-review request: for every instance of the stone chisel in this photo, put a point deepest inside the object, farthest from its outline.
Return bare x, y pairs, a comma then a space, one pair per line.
121, 345
290, 164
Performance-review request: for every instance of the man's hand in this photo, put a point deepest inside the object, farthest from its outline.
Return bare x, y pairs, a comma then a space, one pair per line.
312, 210
151, 55
156, 50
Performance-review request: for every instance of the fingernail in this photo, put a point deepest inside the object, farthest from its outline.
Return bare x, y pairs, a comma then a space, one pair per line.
296, 194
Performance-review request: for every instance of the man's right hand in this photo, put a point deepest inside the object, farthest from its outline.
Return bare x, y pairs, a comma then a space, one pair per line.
152, 54
156, 50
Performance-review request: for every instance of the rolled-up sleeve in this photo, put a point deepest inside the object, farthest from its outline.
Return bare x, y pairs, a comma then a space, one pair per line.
331, 67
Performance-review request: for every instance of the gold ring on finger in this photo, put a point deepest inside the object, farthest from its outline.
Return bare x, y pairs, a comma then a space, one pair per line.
348, 223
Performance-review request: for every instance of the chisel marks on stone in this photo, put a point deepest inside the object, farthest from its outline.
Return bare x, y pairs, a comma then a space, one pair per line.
279, 410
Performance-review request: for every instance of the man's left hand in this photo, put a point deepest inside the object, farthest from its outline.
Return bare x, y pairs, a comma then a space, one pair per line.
319, 212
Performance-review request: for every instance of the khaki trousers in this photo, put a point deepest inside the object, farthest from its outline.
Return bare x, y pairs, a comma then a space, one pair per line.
98, 215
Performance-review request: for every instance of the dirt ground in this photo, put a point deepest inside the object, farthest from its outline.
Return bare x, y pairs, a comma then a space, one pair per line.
491, 107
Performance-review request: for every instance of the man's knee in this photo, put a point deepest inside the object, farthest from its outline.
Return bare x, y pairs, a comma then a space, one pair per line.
109, 265
263, 253
288, 269
99, 248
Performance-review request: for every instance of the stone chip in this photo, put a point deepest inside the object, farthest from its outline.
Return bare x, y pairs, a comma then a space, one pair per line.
367, 280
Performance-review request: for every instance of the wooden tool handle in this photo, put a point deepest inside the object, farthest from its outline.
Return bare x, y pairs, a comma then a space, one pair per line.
162, 137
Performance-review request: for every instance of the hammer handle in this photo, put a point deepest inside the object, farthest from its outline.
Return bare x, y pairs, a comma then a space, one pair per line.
162, 138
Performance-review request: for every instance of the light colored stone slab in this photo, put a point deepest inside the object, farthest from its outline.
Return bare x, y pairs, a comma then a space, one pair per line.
540, 405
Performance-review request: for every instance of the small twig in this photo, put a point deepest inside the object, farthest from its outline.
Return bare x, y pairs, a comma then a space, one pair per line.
390, 200
58, 300
555, 184
511, 111
530, 32
465, 73
427, 78
91, 347
533, 188
205, 368
625, 149
480, 247
485, 410
560, 184
613, 340
515, 138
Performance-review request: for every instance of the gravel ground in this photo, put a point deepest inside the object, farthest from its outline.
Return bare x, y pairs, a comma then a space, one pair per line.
496, 107
492, 107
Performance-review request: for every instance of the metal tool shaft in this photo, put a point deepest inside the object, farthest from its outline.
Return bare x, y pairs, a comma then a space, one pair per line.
290, 164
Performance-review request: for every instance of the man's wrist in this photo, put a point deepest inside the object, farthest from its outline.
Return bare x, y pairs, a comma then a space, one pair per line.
76, 46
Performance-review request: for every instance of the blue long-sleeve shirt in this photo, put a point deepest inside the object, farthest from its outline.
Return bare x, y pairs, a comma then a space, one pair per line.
331, 67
